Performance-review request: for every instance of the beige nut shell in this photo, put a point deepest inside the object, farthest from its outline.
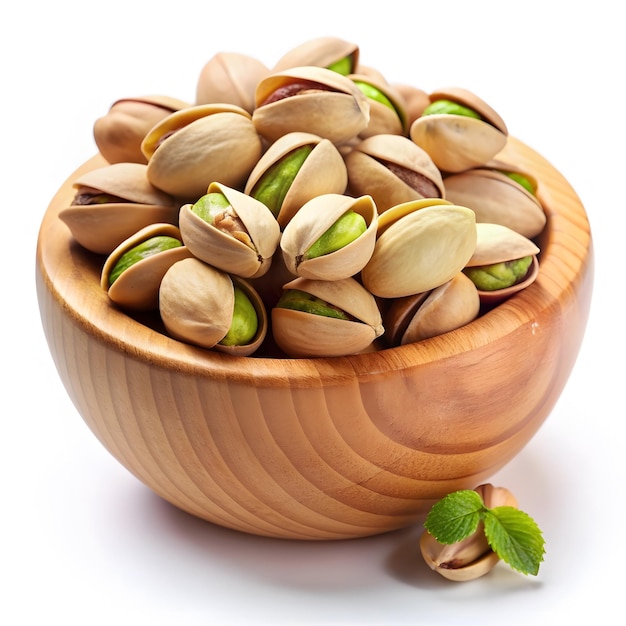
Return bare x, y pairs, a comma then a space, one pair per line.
101, 227
137, 288
319, 52
421, 245
338, 111
312, 221
212, 142
301, 334
367, 172
224, 251
323, 171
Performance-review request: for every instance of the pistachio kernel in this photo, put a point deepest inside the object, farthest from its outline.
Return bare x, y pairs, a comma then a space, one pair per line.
273, 186
146, 249
245, 321
298, 300
345, 230
343, 66
211, 205
373, 93
449, 107
499, 275
522, 180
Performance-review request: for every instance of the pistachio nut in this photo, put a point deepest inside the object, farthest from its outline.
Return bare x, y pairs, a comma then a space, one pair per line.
206, 307
112, 203
333, 53
230, 230
387, 112
330, 237
132, 273
499, 195
294, 169
468, 136
230, 77
310, 99
503, 262
420, 245
323, 318
472, 557
191, 148
118, 134
421, 316
393, 170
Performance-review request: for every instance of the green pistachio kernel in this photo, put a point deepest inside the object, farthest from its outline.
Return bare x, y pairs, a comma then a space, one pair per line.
273, 186
522, 180
450, 108
307, 303
145, 249
499, 275
345, 230
342, 66
245, 322
210, 205
373, 93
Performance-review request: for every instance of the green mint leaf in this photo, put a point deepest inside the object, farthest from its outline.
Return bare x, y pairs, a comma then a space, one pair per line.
455, 517
515, 538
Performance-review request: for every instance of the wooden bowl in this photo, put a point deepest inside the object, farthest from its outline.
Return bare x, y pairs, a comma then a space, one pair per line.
328, 448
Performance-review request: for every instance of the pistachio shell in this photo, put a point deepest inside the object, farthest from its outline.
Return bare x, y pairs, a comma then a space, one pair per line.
421, 245
301, 334
225, 251
323, 171
119, 133
415, 100
447, 307
196, 303
457, 142
319, 52
230, 77
497, 198
393, 170
196, 146
332, 106
137, 288
101, 227
312, 221
496, 243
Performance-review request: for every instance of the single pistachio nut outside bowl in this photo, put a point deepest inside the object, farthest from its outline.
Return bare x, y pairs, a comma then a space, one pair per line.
320, 448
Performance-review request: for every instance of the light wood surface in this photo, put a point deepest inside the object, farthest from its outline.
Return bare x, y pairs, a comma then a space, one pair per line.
325, 448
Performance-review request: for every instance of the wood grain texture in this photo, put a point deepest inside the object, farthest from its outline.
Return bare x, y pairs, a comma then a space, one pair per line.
320, 448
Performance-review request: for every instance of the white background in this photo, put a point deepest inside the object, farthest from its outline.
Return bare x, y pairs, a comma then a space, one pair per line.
84, 542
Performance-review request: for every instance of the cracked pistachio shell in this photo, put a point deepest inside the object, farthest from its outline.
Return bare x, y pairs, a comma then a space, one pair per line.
244, 252
323, 171
101, 226
302, 334
472, 557
421, 245
385, 118
191, 148
393, 170
321, 52
312, 221
118, 134
324, 103
457, 142
137, 287
230, 77
196, 303
497, 198
496, 243
421, 316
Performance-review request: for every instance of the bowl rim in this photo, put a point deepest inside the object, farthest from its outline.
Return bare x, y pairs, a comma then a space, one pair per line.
65, 272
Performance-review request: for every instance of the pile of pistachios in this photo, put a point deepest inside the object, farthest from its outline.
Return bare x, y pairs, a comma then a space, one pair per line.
310, 209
